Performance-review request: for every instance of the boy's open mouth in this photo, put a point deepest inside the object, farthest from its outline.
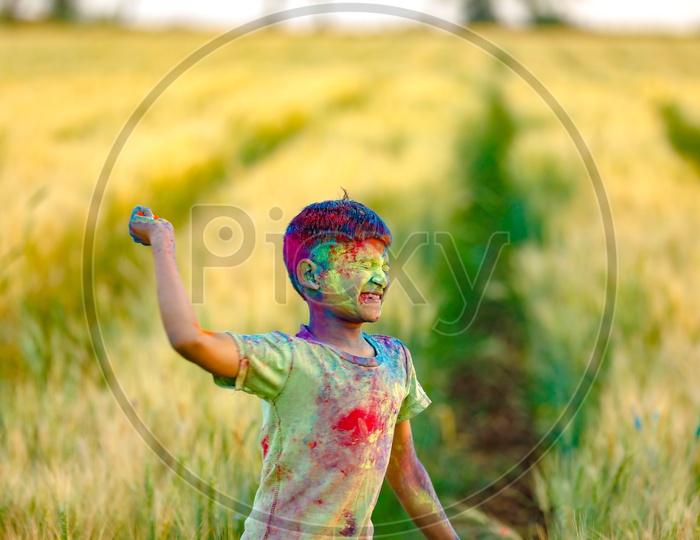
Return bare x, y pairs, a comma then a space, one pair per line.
371, 297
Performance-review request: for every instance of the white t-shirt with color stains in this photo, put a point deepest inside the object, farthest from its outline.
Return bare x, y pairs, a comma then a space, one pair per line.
328, 426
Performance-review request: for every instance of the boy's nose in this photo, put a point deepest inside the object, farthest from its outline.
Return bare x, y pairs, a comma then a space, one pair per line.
380, 278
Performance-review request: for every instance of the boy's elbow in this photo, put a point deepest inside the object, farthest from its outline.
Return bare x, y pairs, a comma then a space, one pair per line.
185, 346
212, 355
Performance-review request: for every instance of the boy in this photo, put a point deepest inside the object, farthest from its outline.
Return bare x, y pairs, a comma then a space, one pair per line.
336, 401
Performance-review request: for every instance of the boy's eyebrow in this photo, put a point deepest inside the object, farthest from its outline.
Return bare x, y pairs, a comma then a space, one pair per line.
373, 259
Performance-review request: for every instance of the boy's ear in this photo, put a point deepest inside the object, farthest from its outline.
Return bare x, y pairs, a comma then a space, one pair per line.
306, 274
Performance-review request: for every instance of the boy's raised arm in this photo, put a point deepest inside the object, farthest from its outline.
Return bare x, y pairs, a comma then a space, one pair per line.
412, 486
215, 352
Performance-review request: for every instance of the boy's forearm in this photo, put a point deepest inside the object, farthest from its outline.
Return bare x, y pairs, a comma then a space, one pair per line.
415, 491
176, 311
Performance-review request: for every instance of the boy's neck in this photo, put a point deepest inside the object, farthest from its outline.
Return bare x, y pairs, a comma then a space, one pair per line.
345, 335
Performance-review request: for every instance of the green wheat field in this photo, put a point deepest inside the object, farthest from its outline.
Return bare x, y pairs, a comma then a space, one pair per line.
437, 136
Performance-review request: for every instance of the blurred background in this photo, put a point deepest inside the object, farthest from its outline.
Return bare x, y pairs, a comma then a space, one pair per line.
540, 426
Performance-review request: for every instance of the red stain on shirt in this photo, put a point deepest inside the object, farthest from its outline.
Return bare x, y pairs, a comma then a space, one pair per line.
265, 443
357, 426
311, 444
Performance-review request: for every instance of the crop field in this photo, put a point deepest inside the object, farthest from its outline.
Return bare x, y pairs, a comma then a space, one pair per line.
564, 382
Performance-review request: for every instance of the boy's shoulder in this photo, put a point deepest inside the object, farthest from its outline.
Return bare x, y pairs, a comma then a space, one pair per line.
391, 345
388, 341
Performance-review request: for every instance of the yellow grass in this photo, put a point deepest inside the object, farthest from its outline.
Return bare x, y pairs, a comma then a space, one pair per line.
378, 115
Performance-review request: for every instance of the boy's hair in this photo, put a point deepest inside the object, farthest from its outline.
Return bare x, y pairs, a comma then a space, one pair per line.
340, 220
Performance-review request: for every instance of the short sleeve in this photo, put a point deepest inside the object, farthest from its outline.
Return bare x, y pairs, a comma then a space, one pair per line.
265, 364
416, 400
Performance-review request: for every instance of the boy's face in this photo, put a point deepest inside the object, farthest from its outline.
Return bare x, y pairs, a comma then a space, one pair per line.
353, 278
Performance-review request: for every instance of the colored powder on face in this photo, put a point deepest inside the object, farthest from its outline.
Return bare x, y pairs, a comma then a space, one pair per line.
339, 262
330, 221
335, 284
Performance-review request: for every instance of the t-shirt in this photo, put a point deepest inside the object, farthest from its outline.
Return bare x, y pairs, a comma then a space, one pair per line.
328, 426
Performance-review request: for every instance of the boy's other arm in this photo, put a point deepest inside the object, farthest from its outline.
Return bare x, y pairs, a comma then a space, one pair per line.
412, 486
215, 352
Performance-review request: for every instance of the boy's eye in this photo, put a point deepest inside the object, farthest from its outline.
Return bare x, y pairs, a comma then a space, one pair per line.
368, 265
